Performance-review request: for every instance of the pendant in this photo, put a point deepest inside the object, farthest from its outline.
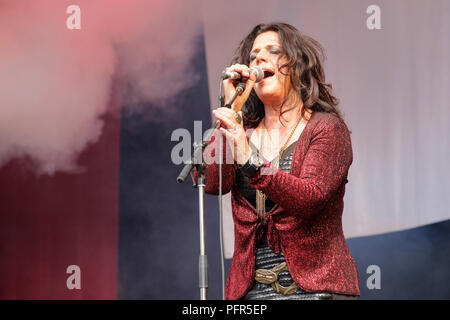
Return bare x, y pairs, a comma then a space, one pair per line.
260, 204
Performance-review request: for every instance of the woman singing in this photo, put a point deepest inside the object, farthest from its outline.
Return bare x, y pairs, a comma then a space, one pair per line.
292, 152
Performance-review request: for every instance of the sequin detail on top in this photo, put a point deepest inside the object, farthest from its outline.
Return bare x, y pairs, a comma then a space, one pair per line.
266, 259
243, 182
306, 222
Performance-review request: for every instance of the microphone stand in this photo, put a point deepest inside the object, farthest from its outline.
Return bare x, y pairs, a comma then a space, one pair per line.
197, 163
202, 259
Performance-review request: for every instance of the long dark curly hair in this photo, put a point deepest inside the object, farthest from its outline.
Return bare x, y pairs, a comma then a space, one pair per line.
304, 63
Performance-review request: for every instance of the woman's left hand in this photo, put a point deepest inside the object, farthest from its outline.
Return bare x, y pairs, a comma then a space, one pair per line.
234, 132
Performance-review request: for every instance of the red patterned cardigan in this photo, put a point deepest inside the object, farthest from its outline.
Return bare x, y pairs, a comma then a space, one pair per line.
306, 222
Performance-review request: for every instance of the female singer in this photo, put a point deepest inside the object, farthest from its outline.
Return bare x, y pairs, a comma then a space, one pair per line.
292, 152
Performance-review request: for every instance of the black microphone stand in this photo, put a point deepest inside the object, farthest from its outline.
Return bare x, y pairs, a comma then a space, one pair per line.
197, 163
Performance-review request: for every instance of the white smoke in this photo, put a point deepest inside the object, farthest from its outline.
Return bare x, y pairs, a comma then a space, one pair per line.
55, 83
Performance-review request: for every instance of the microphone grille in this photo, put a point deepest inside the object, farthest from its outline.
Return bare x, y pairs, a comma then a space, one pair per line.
259, 73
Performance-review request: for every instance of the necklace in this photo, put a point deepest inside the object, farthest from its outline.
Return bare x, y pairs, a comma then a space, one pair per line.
280, 153
260, 196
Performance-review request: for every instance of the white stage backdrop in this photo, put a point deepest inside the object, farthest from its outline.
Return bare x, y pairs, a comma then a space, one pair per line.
393, 84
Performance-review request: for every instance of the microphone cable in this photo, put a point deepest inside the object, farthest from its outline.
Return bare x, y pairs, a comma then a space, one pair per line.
239, 89
222, 259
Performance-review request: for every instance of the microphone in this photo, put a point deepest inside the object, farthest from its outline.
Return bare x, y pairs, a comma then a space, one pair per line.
233, 75
198, 151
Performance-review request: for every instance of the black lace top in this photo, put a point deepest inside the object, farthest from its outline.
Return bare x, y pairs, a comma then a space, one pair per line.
243, 182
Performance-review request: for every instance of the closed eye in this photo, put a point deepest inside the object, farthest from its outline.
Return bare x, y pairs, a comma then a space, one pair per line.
275, 51
271, 51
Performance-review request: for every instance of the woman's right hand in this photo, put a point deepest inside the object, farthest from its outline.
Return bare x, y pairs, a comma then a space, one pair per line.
229, 85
